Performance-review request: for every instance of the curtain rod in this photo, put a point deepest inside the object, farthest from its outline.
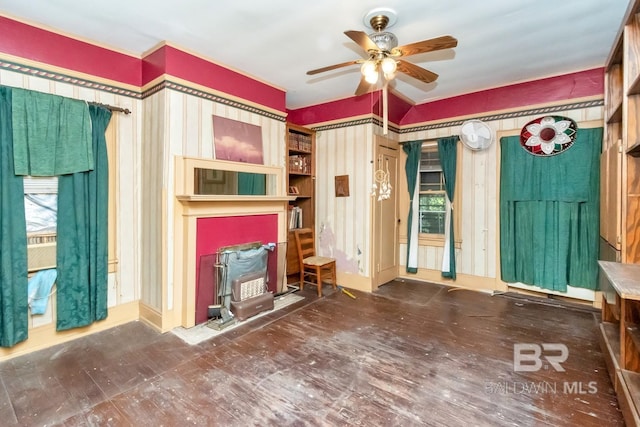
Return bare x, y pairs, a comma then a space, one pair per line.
111, 107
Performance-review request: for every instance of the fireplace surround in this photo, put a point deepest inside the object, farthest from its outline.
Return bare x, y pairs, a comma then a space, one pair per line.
203, 223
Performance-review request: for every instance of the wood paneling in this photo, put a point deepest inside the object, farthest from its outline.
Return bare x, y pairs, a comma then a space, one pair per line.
343, 224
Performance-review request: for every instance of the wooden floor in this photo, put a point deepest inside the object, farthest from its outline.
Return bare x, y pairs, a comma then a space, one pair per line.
411, 354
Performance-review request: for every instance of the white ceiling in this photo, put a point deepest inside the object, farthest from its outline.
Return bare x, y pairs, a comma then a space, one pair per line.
499, 41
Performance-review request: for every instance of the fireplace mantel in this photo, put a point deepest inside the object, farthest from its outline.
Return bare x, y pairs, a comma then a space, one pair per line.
200, 198
191, 207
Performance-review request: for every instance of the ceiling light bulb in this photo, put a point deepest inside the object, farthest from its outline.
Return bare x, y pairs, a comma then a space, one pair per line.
371, 78
389, 66
368, 67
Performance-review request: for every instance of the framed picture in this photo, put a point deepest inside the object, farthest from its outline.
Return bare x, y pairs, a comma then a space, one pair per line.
342, 186
237, 141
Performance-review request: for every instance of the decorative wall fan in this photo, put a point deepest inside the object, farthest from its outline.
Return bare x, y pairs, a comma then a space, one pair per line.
476, 135
384, 54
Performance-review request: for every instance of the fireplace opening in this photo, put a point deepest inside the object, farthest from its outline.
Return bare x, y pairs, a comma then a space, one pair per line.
244, 280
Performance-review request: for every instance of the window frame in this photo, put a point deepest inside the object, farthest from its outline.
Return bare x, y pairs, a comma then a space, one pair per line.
438, 240
430, 149
111, 141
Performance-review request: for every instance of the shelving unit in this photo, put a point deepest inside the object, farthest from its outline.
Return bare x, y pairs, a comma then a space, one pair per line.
620, 334
620, 161
301, 184
620, 216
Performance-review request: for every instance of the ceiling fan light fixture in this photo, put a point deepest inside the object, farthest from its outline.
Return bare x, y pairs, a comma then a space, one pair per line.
389, 66
372, 77
369, 70
368, 67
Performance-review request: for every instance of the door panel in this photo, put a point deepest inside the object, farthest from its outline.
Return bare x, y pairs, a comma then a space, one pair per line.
386, 216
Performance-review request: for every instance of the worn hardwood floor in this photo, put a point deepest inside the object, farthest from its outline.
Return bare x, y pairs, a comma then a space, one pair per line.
411, 354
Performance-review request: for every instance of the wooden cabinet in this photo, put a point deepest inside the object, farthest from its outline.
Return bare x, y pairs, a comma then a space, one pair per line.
301, 184
620, 215
620, 333
611, 196
620, 163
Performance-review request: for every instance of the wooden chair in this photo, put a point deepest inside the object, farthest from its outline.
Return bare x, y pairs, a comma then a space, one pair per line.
312, 265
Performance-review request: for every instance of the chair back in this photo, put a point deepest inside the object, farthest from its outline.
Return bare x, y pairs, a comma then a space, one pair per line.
305, 242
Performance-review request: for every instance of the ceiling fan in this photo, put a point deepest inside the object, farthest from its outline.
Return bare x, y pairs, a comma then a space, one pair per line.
384, 53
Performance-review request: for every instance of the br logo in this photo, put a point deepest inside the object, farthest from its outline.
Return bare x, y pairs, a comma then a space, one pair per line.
529, 357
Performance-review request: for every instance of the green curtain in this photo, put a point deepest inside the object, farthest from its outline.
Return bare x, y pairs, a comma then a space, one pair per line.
13, 245
448, 152
550, 214
413, 149
252, 184
82, 248
51, 134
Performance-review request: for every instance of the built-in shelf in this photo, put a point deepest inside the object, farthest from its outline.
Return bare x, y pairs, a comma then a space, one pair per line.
634, 334
300, 143
620, 336
616, 114
634, 88
630, 387
634, 150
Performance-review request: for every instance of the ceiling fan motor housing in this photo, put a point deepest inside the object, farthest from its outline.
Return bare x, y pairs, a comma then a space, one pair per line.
384, 40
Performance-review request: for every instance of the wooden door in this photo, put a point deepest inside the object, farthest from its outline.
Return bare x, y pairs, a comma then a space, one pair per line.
385, 212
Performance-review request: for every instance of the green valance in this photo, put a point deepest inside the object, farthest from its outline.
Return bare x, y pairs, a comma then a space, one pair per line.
51, 134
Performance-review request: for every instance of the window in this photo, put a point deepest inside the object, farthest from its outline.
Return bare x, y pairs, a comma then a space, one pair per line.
41, 205
432, 202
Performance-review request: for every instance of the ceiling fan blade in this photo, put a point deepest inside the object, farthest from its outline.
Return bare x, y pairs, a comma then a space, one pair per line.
363, 87
332, 67
444, 42
416, 72
362, 39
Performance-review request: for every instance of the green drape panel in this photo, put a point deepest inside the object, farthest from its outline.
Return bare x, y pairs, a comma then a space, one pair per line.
13, 244
250, 184
413, 150
51, 134
550, 214
82, 248
448, 152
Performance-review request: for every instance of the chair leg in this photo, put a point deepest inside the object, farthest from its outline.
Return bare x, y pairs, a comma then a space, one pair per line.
333, 276
319, 279
301, 277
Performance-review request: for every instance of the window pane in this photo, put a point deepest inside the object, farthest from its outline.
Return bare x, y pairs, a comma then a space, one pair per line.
431, 181
430, 161
432, 213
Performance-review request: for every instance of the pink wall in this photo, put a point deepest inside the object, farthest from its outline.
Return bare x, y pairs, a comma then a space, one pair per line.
350, 107
29, 42
32, 43
172, 61
544, 91
213, 233
36, 44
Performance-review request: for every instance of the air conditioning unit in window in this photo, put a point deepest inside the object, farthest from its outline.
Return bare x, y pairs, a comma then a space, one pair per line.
41, 252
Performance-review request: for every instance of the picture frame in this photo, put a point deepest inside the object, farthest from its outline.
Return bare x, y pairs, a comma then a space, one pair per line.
237, 141
342, 185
